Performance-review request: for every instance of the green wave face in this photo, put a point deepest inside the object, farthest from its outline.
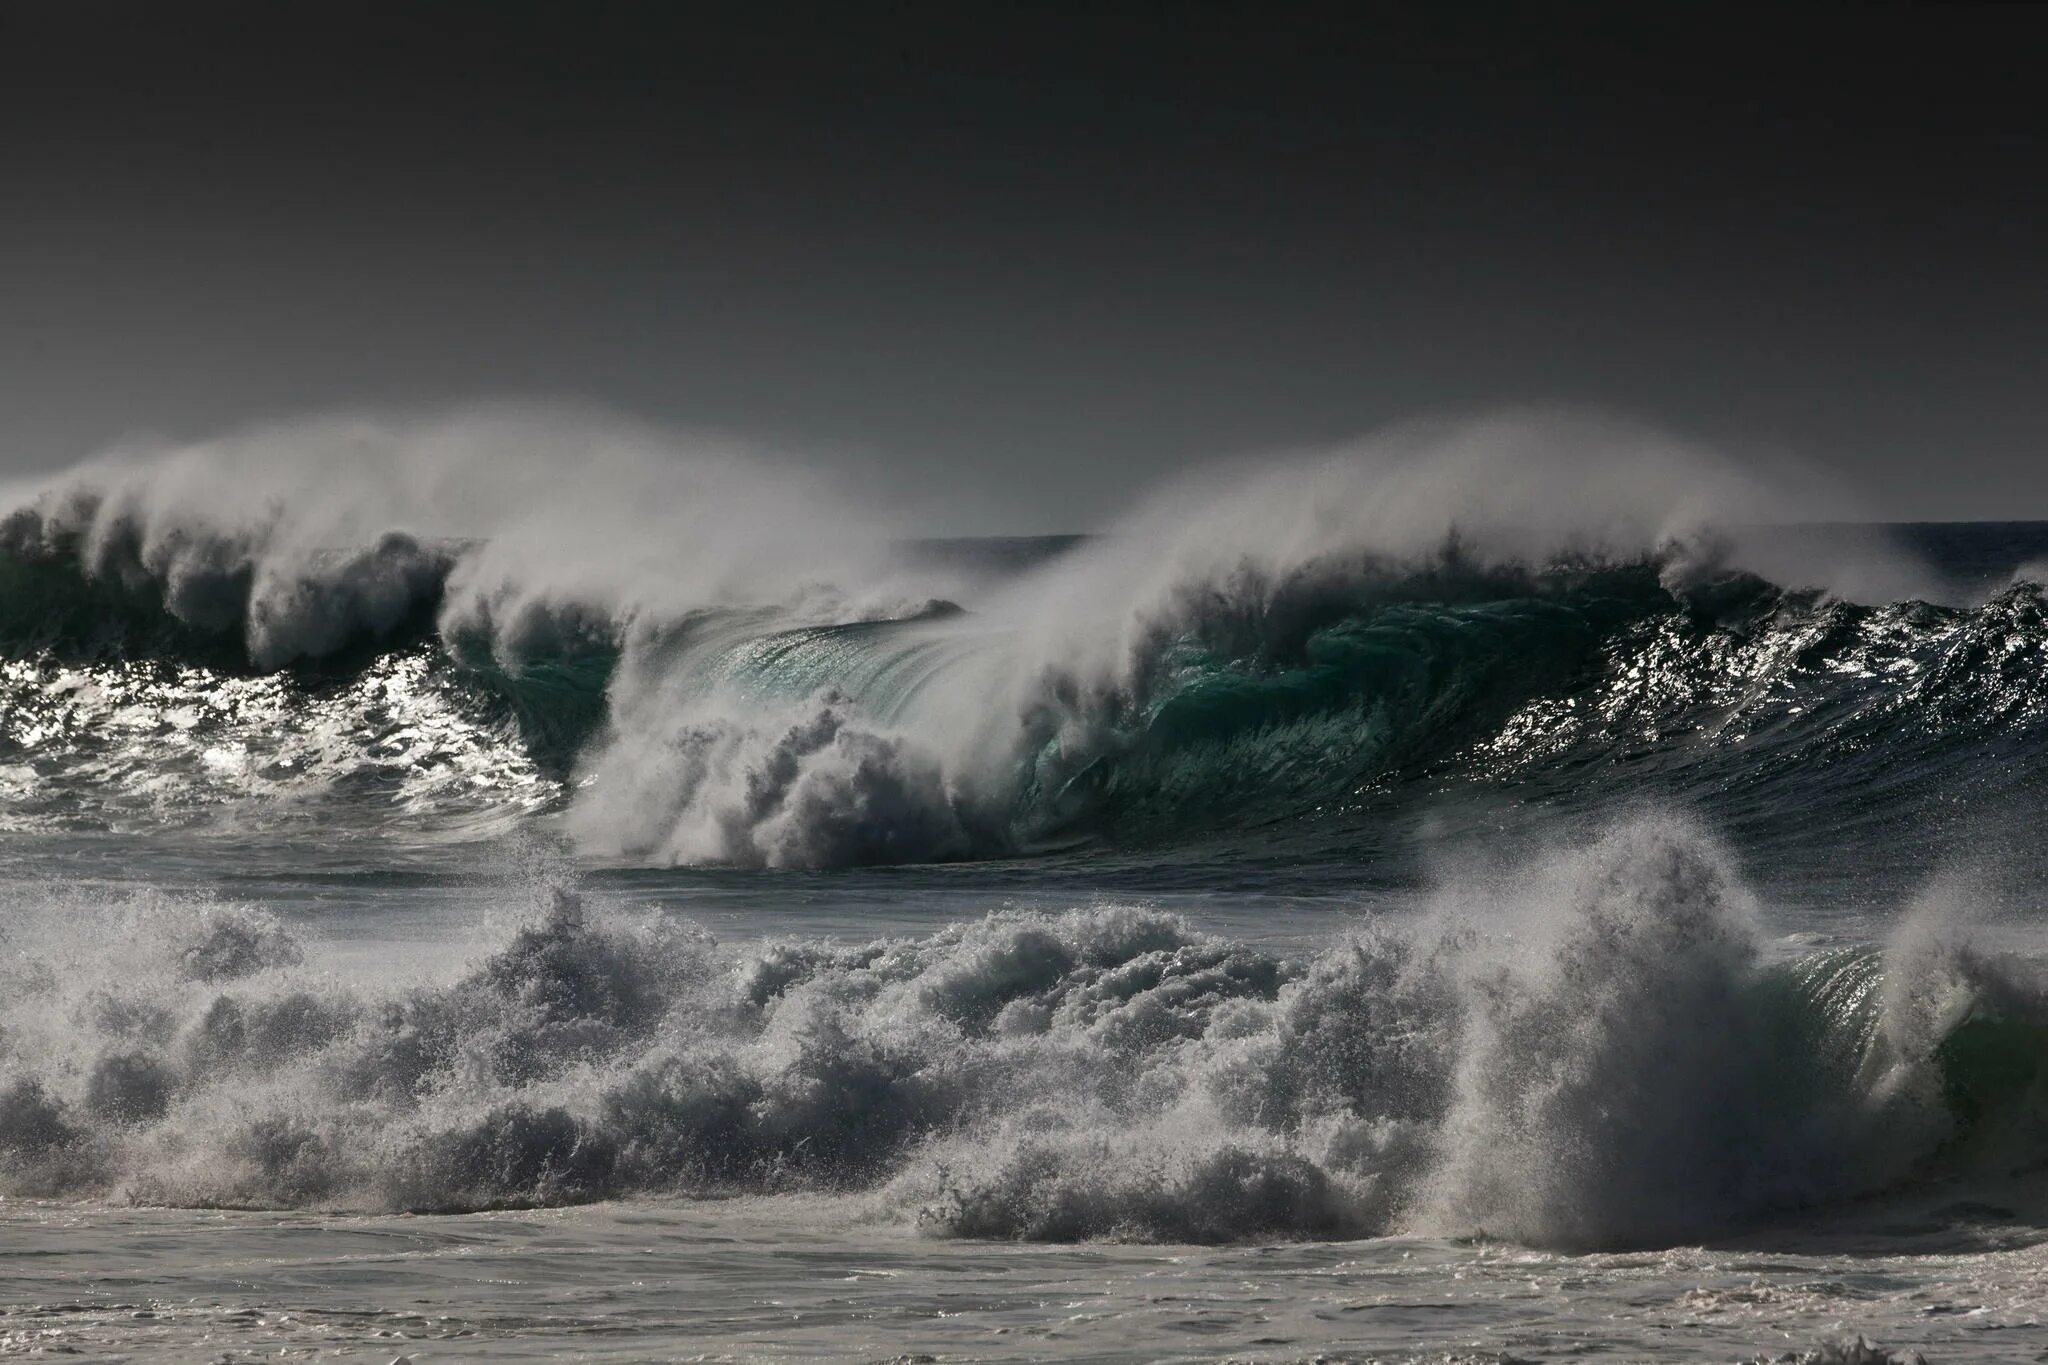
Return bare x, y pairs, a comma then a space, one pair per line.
1994, 1082
1237, 708
1971, 1098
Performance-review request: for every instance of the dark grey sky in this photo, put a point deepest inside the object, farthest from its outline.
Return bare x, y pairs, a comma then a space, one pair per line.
1026, 258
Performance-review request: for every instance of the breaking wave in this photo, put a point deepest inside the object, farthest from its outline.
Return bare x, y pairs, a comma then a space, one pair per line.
1601, 1056
398, 631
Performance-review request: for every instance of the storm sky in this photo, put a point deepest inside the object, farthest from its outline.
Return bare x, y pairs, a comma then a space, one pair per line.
1015, 262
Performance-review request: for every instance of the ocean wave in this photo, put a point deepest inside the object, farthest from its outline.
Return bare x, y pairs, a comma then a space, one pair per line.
436, 627
1602, 1058
735, 737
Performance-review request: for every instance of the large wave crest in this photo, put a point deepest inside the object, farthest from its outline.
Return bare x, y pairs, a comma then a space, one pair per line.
705, 657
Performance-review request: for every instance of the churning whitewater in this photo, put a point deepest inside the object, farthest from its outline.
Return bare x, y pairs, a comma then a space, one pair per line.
1602, 1058
510, 630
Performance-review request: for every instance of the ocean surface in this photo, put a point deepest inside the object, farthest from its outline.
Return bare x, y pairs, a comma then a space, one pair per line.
449, 912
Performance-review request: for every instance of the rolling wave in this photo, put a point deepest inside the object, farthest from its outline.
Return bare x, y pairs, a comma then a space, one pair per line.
735, 736
411, 642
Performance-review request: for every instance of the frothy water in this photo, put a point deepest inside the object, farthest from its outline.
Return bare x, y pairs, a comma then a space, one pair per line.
1520, 1095
1485, 892
1602, 1060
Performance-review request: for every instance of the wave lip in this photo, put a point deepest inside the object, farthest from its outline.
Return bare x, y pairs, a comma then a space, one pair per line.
706, 659
738, 739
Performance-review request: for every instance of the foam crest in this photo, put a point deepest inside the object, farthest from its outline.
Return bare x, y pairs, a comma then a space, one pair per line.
302, 537
710, 656
801, 785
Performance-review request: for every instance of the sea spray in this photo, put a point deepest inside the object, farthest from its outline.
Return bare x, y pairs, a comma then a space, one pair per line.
433, 629
1632, 1074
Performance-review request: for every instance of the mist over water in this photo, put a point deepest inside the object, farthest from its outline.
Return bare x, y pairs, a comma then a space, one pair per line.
708, 658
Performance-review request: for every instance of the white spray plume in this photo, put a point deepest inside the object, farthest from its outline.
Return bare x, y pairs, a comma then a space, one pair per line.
535, 530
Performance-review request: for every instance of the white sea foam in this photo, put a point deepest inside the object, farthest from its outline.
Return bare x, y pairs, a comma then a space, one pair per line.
1598, 1061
